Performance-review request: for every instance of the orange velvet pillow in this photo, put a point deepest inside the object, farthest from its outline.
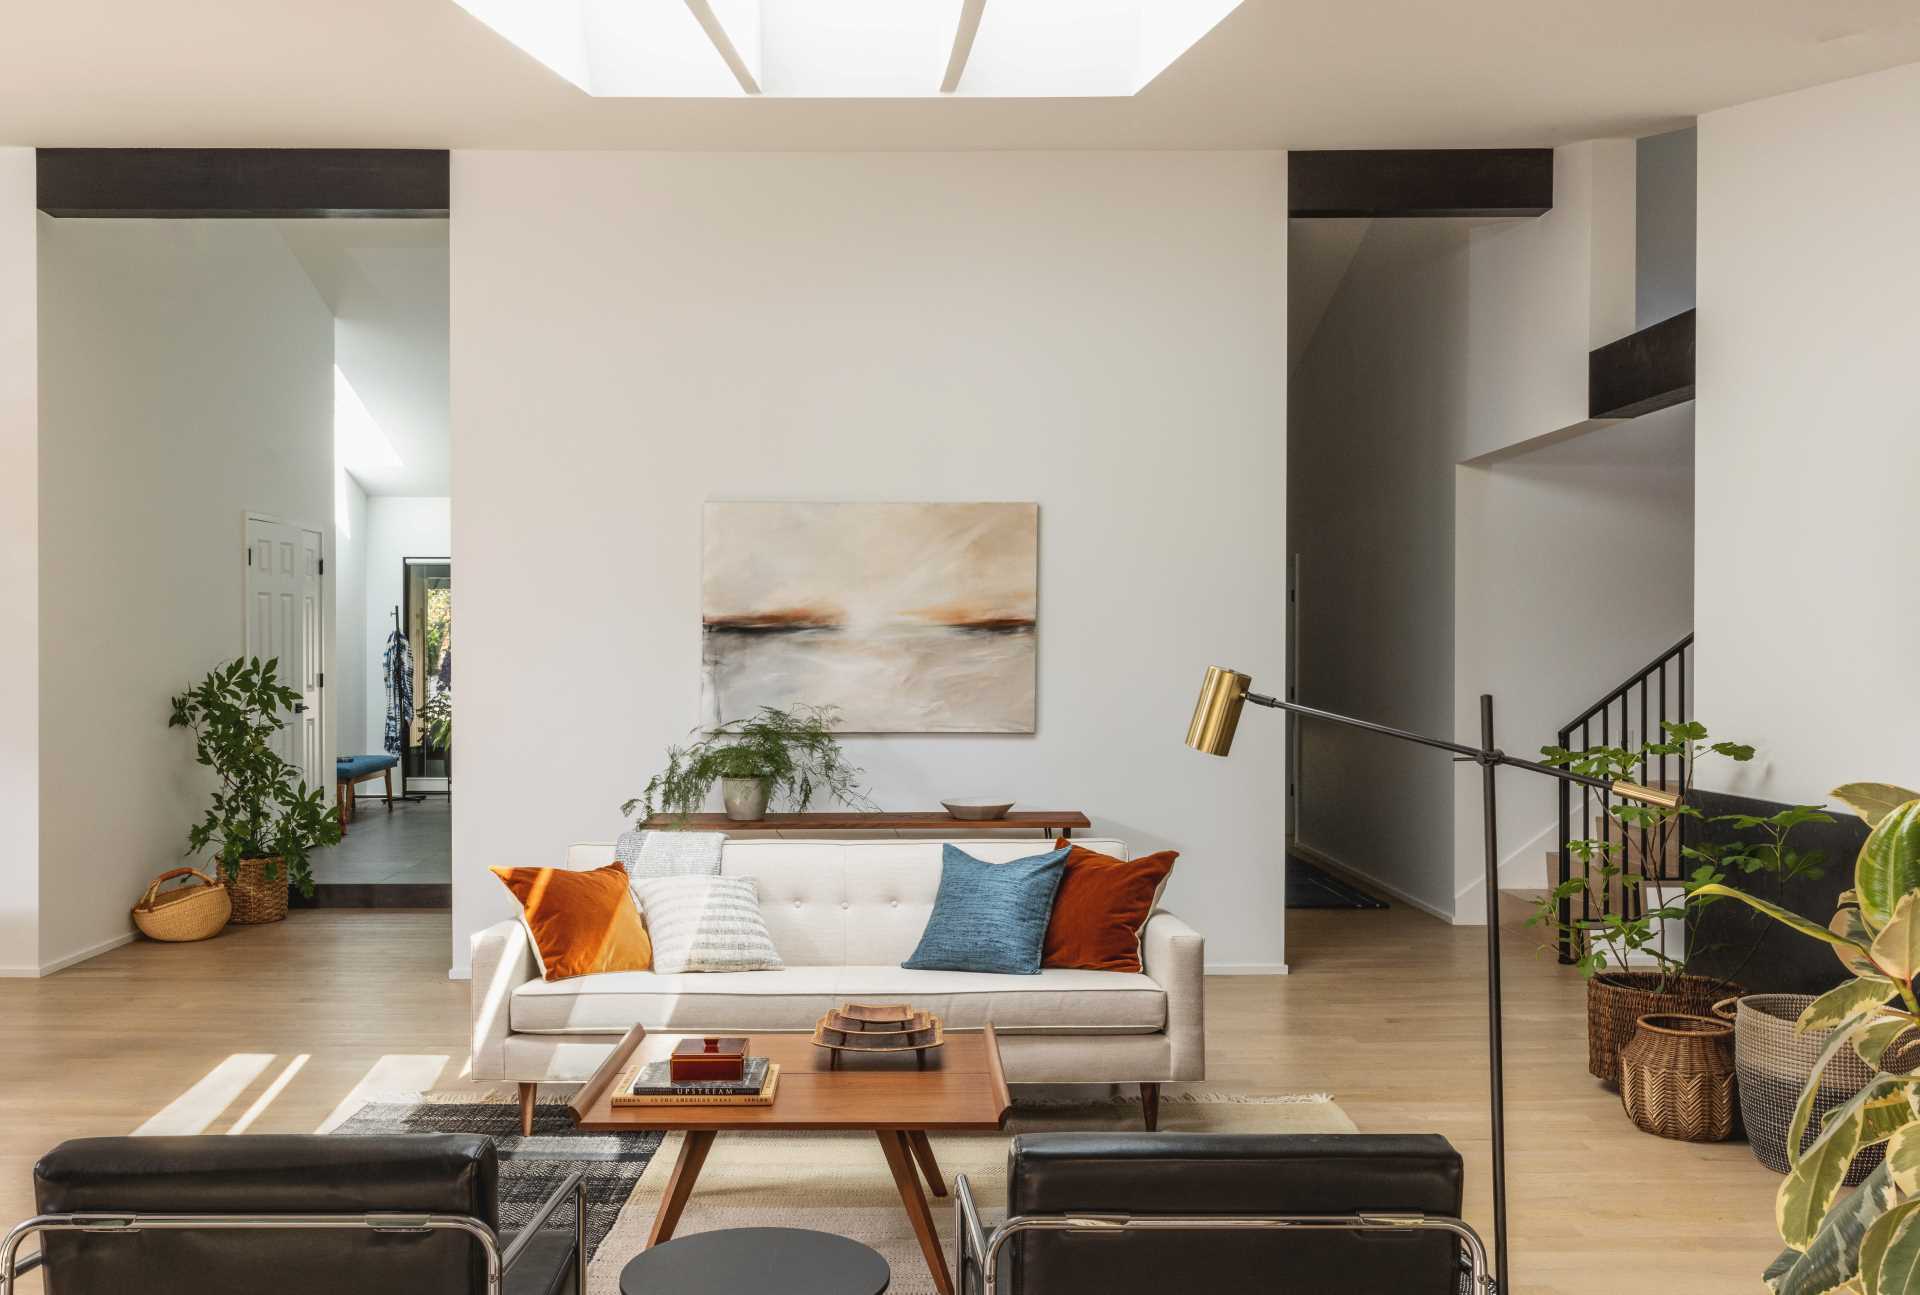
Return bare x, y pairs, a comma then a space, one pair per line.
581, 922
1100, 907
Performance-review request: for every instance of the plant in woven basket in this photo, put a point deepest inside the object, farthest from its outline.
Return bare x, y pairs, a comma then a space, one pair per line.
793, 750
1612, 867
1868, 1242
262, 808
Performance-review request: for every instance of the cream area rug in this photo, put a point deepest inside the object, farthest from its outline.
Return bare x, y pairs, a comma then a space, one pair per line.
838, 1182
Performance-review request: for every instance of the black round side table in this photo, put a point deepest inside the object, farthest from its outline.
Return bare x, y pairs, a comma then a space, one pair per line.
756, 1261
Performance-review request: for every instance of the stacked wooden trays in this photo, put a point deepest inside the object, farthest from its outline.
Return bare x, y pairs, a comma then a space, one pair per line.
877, 1028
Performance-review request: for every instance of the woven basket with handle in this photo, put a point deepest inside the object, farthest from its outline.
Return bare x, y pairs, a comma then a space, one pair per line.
256, 896
192, 912
1676, 1077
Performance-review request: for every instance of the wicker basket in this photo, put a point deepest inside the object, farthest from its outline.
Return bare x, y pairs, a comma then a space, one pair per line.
1617, 1000
257, 897
1676, 1077
185, 912
1774, 1062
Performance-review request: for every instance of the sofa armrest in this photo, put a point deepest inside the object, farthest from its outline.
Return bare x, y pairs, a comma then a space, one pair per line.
1174, 956
502, 962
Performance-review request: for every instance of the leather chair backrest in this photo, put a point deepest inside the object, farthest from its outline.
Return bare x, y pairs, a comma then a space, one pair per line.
268, 1174
1203, 1173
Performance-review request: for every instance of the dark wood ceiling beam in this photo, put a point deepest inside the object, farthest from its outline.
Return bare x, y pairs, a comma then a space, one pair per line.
1643, 371
1390, 183
243, 182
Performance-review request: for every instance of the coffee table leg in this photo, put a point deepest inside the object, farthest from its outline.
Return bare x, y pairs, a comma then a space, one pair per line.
923, 1152
898, 1151
693, 1153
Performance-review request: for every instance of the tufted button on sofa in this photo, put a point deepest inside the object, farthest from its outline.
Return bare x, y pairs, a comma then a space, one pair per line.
844, 915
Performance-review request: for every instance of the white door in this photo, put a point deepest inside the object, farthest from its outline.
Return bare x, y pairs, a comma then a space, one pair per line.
283, 623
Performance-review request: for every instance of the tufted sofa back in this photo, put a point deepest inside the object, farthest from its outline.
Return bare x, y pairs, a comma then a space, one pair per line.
847, 903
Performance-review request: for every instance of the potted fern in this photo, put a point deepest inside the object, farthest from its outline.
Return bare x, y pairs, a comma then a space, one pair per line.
789, 753
263, 820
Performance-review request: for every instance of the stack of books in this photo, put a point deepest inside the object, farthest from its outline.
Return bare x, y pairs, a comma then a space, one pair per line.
652, 1084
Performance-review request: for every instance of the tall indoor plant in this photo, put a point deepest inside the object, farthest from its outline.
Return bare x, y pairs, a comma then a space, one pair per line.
263, 820
1624, 955
789, 753
1867, 1242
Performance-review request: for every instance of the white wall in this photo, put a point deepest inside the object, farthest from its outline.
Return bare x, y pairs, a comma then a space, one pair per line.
398, 527
1666, 225
1102, 333
186, 377
1574, 565
19, 568
347, 685
1809, 433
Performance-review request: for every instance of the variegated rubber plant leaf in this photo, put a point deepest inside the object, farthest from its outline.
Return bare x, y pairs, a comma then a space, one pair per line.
1845, 1003
1889, 865
1876, 1111
1896, 949
1873, 801
1833, 1257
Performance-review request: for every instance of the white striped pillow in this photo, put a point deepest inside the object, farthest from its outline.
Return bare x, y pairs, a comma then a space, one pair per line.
706, 924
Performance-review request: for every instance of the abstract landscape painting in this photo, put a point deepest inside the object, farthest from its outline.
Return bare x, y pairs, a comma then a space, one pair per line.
910, 618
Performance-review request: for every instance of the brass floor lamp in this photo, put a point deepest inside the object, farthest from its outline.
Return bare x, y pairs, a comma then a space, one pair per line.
1215, 717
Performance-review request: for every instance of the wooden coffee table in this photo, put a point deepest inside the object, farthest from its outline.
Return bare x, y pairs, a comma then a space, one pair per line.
960, 1089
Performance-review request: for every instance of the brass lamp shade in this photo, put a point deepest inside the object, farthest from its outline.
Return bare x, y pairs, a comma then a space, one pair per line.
1217, 713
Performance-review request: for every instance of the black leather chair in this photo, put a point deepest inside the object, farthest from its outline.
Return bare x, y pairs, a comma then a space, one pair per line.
1145, 1214
293, 1215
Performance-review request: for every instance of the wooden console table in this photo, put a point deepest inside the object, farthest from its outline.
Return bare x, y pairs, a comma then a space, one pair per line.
1044, 821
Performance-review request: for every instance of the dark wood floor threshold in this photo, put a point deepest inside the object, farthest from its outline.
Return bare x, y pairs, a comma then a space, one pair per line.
405, 894
1644, 371
275, 183
1398, 183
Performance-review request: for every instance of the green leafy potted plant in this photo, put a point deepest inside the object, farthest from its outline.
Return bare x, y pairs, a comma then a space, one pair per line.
1867, 1242
263, 820
1630, 971
789, 753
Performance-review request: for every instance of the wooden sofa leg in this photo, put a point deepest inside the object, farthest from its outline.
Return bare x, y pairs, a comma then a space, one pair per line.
1150, 1106
528, 1092
388, 775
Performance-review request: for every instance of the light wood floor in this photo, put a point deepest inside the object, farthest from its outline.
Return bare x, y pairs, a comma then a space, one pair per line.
1383, 1009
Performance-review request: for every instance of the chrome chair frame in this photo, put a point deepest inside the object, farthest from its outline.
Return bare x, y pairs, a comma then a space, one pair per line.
975, 1248
499, 1262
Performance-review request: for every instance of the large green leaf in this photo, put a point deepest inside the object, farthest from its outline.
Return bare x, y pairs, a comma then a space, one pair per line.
1851, 1109
1848, 925
1890, 1252
1808, 1192
1873, 801
1844, 1002
1834, 1255
1847, 946
1896, 950
1889, 864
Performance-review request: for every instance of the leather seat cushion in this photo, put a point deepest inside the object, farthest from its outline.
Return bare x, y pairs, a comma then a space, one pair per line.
1053, 1002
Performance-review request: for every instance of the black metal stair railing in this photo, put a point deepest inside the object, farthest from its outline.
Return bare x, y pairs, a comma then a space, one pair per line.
1632, 714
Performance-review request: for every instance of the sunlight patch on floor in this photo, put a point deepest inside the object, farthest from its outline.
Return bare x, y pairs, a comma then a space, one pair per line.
265, 1099
197, 1108
393, 1073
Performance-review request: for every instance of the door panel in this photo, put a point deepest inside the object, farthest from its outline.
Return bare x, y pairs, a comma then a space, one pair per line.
284, 624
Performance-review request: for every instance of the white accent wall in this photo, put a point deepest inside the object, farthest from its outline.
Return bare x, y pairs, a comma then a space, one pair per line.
347, 685
19, 568
1102, 333
186, 377
1809, 433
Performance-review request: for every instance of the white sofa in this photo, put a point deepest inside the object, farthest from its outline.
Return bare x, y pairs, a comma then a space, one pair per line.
844, 915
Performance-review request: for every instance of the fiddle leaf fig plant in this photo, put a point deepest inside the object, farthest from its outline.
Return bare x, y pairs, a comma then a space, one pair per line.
261, 808
1867, 1242
795, 751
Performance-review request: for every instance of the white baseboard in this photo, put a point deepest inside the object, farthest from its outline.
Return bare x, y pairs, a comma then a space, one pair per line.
18, 972
1246, 969
1365, 880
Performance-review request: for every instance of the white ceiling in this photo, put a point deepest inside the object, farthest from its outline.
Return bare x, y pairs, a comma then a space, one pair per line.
1275, 73
386, 282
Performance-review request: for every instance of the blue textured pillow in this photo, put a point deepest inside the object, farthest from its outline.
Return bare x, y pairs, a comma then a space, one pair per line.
989, 916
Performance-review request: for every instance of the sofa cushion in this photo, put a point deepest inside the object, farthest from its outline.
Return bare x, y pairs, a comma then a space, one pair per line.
989, 916
1053, 1002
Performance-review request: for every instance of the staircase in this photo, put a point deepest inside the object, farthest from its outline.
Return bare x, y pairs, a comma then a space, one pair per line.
1628, 716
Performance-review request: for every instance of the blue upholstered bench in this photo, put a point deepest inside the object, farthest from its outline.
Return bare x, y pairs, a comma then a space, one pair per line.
351, 769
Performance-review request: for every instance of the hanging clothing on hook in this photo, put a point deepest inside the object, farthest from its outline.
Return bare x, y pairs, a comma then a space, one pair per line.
399, 675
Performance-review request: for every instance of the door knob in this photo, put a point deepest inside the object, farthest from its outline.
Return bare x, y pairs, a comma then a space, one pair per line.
299, 708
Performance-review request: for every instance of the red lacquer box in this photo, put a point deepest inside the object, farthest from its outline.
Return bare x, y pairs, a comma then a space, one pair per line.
707, 1060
